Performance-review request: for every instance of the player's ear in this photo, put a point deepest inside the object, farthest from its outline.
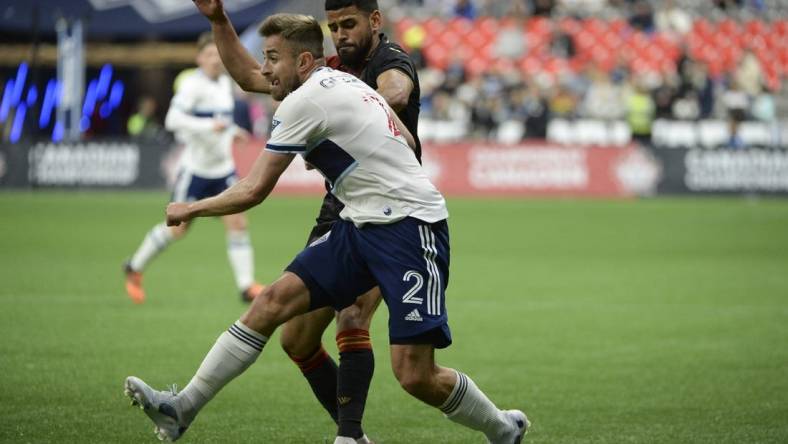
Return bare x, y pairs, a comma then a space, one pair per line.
375, 21
304, 60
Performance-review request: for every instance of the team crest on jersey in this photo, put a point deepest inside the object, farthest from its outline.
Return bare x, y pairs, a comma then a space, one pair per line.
275, 123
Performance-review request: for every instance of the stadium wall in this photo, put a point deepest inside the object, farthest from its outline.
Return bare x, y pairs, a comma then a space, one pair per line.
539, 169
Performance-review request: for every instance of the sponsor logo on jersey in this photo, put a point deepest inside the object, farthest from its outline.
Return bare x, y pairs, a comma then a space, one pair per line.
414, 316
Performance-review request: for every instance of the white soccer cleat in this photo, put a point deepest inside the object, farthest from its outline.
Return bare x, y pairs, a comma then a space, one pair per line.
364, 440
519, 428
161, 408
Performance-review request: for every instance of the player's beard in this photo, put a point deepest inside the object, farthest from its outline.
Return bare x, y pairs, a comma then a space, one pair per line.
358, 54
285, 88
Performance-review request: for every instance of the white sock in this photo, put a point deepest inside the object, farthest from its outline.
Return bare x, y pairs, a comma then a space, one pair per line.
241, 255
156, 241
234, 351
468, 406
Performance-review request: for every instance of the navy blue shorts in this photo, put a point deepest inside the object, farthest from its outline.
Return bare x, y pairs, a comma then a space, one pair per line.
190, 187
408, 259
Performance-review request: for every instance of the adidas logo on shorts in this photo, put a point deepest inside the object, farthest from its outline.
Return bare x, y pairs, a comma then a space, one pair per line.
414, 316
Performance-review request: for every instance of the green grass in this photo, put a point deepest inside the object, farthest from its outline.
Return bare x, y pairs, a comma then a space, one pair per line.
661, 321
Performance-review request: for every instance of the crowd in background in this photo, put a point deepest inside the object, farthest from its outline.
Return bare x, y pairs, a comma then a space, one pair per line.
487, 100
482, 101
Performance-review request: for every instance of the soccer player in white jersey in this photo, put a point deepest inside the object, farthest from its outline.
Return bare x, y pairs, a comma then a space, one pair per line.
392, 233
200, 114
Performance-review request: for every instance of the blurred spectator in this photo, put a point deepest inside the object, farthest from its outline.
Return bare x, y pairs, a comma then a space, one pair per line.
640, 112
143, 122
542, 8
585, 8
642, 16
465, 9
510, 42
764, 109
686, 106
664, 97
696, 81
603, 99
736, 105
413, 38
562, 102
486, 115
729, 5
561, 44
749, 76
454, 75
532, 108
672, 19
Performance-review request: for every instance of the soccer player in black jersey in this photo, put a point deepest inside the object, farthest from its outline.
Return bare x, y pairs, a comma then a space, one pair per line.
368, 54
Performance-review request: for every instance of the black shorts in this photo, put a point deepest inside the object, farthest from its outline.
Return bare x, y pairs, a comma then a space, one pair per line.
329, 213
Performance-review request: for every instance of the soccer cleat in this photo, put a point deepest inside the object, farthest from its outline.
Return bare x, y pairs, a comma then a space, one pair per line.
364, 440
134, 284
161, 408
252, 292
346, 440
519, 428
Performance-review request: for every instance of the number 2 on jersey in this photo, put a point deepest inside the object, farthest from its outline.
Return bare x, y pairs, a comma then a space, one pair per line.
410, 296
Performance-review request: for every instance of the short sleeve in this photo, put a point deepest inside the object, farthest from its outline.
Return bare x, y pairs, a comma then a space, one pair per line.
297, 121
187, 95
396, 58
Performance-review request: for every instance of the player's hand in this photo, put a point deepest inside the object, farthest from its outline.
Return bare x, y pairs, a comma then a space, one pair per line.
242, 136
219, 125
212, 9
177, 213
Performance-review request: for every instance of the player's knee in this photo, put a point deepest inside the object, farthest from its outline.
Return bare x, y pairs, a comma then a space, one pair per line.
350, 318
296, 345
268, 310
417, 384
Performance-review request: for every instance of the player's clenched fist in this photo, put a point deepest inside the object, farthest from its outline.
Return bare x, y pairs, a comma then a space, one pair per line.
177, 212
213, 9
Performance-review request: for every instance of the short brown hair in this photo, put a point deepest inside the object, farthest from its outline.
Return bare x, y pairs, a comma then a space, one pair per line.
205, 39
301, 31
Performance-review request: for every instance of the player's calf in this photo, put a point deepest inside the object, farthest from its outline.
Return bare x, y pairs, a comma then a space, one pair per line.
455, 394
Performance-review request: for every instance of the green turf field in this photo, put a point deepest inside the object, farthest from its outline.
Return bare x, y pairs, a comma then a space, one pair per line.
653, 321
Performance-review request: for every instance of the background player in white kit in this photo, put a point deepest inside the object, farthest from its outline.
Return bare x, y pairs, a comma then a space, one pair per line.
200, 114
393, 233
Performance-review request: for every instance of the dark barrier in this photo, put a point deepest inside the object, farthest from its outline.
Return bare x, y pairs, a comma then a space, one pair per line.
723, 171
463, 169
92, 164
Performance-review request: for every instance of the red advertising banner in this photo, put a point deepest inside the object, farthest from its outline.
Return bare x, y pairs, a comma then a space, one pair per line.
528, 169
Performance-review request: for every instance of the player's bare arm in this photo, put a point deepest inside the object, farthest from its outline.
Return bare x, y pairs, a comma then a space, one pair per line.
243, 68
395, 86
248, 192
404, 130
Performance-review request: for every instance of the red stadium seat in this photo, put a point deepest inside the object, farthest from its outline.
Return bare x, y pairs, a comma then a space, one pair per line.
604, 44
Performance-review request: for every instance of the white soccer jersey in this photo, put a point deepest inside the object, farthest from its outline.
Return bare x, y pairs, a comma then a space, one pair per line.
198, 101
344, 129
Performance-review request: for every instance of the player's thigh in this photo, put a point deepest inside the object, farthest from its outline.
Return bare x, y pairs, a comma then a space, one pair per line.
410, 260
359, 315
284, 299
235, 222
302, 334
